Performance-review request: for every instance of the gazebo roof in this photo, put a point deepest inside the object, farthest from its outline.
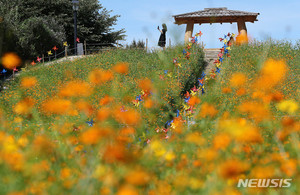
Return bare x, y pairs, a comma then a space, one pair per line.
215, 15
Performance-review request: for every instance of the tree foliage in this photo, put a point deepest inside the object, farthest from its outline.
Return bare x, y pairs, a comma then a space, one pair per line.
32, 27
140, 44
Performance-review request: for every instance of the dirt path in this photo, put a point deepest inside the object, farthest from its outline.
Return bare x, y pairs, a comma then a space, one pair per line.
69, 58
210, 56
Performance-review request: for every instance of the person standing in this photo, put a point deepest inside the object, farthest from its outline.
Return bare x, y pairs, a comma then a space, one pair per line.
162, 38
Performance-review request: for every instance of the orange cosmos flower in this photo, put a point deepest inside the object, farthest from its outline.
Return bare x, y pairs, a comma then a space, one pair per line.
100, 76
242, 38
125, 134
208, 154
277, 96
15, 160
127, 131
289, 167
11, 60
28, 82
85, 107
93, 135
127, 190
42, 144
65, 173
146, 85
241, 91
195, 138
232, 168
76, 89
272, 73
287, 121
255, 110
226, 90
208, 110
241, 130
137, 177
57, 106
115, 152
106, 100
221, 141
103, 113
177, 124
238, 79
197, 163
193, 101
24, 106
263, 172
38, 168
148, 103
121, 67
129, 117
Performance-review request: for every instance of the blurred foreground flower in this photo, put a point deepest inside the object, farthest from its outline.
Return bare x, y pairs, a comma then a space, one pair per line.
241, 130
127, 190
208, 110
121, 67
100, 76
221, 141
57, 106
193, 101
256, 110
94, 134
232, 168
28, 82
242, 38
289, 106
11, 60
272, 73
76, 89
42, 144
129, 117
137, 177
146, 85
24, 106
238, 79
106, 100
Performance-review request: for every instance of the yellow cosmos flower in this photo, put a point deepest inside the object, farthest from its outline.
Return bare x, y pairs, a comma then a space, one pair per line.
289, 106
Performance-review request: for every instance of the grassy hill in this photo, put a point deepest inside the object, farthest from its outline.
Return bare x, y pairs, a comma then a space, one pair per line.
245, 125
157, 66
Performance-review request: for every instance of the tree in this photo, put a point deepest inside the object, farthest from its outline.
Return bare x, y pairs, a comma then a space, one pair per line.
38, 25
136, 45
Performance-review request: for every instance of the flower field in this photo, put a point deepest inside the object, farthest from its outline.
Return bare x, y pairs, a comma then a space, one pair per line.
129, 122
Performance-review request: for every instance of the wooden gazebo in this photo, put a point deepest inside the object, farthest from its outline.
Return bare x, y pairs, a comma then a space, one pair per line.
214, 15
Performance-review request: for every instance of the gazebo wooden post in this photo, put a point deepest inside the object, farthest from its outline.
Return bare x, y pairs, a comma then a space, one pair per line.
242, 27
188, 31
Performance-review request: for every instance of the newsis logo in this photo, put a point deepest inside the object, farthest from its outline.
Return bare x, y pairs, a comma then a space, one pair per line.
264, 183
